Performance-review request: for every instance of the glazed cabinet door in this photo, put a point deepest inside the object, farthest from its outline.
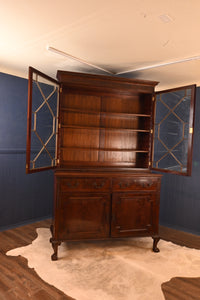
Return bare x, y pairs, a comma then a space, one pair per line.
134, 214
82, 216
173, 130
42, 122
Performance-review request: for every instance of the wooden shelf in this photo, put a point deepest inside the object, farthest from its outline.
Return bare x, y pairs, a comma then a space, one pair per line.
121, 114
106, 149
101, 127
122, 164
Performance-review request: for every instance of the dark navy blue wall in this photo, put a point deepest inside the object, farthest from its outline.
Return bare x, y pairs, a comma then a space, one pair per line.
23, 198
180, 195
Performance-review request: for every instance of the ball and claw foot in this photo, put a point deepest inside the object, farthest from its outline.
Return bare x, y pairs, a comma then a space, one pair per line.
54, 256
155, 242
55, 245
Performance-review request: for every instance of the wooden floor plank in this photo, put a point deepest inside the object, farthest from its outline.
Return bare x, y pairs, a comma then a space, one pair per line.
180, 288
17, 280
179, 237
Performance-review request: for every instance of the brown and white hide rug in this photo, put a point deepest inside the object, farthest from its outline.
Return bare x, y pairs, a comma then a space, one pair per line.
110, 270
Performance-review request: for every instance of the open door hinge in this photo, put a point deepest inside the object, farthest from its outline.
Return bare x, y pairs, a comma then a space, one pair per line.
60, 89
153, 98
191, 130
151, 131
58, 161
149, 163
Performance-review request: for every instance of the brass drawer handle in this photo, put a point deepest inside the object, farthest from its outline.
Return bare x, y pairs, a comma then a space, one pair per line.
143, 184
124, 185
72, 185
146, 184
98, 186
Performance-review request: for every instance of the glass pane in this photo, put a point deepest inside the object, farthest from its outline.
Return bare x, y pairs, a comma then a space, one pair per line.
171, 130
44, 122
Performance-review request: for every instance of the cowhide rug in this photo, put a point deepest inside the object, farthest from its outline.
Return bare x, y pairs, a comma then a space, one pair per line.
110, 270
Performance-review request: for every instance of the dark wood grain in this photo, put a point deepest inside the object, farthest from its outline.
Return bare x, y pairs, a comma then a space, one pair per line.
134, 214
101, 204
104, 121
179, 237
107, 84
180, 288
82, 216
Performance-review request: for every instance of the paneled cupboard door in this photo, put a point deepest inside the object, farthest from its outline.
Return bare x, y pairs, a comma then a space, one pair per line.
173, 130
134, 213
82, 216
42, 122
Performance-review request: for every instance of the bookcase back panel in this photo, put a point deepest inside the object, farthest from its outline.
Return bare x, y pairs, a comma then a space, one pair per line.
134, 104
99, 157
120, 140
119, 156
80, 119
125, 122
143, 141
101, 126
95, 158
142, 160
81, 102
126, 140
73, 155
80, 137
104, 158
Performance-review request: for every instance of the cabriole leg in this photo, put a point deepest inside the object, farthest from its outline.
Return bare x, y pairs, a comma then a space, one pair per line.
55, 245
155, 243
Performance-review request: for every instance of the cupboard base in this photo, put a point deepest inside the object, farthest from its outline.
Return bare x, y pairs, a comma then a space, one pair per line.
103, 205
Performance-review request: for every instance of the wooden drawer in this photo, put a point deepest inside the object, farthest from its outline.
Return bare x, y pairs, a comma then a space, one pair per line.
134, 184
84, 184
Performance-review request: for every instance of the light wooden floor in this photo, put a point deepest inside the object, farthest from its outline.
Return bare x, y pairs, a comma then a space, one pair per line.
18, 282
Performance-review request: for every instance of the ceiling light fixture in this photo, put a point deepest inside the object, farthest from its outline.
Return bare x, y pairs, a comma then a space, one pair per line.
160, 65
54, 50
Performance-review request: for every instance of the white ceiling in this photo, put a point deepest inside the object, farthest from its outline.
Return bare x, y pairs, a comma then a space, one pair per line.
117, 35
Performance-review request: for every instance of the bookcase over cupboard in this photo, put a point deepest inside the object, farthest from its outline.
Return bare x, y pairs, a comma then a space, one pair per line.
103, 135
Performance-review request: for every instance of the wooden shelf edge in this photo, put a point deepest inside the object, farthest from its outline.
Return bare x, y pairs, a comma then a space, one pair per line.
106, 128
122, 114
104, 149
